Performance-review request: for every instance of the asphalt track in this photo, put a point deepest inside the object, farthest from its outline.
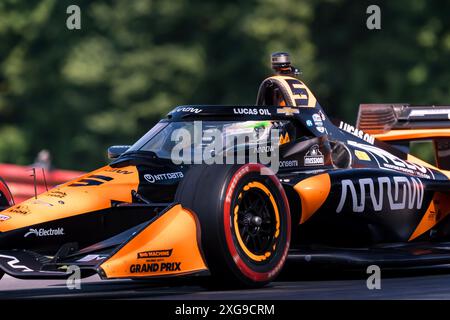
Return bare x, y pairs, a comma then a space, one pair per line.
321, 285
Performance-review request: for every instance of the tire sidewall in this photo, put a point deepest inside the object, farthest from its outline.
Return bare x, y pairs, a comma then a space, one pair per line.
248, 269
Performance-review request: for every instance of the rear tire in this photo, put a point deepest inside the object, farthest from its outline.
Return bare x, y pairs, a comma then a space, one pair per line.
244, 218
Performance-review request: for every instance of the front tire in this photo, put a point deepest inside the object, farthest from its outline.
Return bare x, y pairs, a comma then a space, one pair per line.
6, 198
245, 221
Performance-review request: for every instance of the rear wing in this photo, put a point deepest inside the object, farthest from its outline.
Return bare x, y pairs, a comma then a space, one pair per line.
380, 118
400, 124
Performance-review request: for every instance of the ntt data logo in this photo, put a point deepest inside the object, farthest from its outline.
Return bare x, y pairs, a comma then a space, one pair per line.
44, 232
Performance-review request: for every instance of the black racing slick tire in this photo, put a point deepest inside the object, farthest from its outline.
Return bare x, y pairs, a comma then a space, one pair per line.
245, 221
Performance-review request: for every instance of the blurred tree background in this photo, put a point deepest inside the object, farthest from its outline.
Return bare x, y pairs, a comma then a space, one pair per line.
75, 92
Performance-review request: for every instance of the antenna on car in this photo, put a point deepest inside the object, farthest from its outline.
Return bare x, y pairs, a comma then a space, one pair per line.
45, 179
281, 64
35, 183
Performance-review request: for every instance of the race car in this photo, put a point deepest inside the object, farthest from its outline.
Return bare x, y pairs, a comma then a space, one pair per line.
235, 192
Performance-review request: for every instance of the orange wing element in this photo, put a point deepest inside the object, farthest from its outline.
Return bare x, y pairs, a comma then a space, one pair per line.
413, 134
169, 245
313, 192
439, 208
91, 192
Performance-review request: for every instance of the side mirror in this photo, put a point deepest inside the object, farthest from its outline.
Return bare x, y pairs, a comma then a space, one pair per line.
116, 151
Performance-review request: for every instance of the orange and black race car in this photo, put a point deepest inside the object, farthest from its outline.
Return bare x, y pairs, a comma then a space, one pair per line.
170, 206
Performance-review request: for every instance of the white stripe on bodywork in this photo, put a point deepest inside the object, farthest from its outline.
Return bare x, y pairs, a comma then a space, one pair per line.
13, 263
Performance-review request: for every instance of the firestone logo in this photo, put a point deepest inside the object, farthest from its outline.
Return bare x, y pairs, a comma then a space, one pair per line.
45, 232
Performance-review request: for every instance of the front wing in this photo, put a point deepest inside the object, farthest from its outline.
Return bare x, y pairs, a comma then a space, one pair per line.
167, 245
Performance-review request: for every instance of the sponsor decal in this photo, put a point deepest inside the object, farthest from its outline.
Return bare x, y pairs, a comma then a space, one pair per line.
402, 193
91, 257
44, 232
284, 139
314, 157
152, 178
388, 161
57, 194
288, 111
412, 171
322, 115
188, 109
93, 180
118, 171
155, 267
252, 111
361, 155
155, 254
356, 132
4, 217
320, 129
47, 204
316, 117
21, 209
429, 112
318, 122
288, 163
309, 123
263, 149
234, 182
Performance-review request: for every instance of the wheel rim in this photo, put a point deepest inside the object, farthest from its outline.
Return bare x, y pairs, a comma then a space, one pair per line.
256, 221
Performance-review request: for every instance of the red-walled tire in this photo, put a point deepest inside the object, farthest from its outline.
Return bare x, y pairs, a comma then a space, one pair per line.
6, 198
245, 221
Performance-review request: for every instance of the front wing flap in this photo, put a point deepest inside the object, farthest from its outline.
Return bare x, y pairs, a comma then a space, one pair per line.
169, 244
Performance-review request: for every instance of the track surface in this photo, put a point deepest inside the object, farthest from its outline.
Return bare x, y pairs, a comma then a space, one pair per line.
423, 285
